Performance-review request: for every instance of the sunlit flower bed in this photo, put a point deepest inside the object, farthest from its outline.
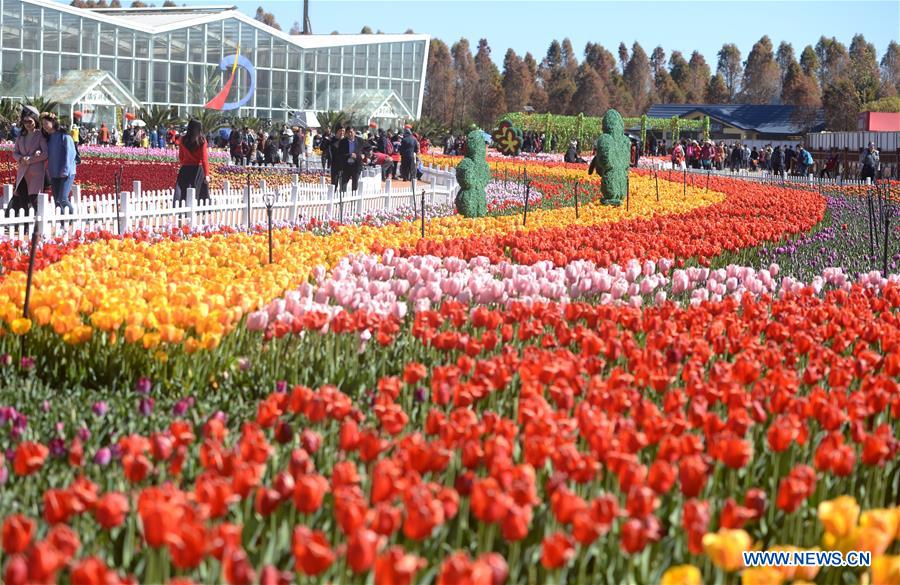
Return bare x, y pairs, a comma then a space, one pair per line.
610, 395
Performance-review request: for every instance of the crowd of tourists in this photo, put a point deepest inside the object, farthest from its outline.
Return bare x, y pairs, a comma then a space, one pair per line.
778, 159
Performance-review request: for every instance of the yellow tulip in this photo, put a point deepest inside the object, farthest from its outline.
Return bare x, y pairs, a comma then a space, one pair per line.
725, 548
839, 515
20, 326
761, 576
682, 575
886, 570
886, 520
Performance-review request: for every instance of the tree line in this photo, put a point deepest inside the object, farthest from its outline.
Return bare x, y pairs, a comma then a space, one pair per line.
462, 88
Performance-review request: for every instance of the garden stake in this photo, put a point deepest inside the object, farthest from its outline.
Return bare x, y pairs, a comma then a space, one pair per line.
269, 200
684, 181
887, 221
423, 214
117, 176
871, 227
527, 193
656, 178
576, 199
627, 193
31, 258
248, 201
707, 179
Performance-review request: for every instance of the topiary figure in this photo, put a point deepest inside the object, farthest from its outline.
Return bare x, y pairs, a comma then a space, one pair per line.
473, 175
613, 158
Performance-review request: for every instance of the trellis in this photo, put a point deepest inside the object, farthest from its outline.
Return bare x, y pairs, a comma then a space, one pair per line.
587, 128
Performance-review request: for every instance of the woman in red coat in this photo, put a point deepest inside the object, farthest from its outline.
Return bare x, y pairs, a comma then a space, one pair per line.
193, 155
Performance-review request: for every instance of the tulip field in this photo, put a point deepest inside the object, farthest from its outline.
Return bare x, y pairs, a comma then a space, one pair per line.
580, 394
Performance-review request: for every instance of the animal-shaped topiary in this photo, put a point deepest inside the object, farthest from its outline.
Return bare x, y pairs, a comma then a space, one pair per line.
613, 158
473, 175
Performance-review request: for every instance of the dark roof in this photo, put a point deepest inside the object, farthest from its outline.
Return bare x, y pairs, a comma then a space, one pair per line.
762, 118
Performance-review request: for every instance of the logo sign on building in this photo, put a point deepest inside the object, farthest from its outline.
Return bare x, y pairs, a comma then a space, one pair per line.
385, 110
233, 61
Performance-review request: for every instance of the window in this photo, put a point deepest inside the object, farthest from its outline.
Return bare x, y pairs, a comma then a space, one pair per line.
123, 72
196, 85
362, 58
248, 39
51, 30
71, 34
279, 54
108, 64
395, 60
30, 67
334, 92
125, 42
384, 61
68, 63
161, 46
31, 27
177, 82
347, 68
141, 45
160, 82
230, 37
263, 87
195, 44
214, 43
90, 30
89, 62
12, 25
279, 89
108, 40
309, 60
142, 81
295, 57
334, 60
309, 88
51, 69
178, 45
263, 50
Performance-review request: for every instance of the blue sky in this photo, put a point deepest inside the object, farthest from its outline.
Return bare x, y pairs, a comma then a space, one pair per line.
529, 25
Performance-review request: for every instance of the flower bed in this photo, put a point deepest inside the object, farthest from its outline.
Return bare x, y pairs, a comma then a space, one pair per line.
573, 400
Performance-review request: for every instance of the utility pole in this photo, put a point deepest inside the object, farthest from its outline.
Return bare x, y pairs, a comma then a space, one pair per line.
307, 27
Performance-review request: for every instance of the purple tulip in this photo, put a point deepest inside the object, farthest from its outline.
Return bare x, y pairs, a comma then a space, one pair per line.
145, 406
181, 407
281, 386
100, 408
58, 448
6, 360
103, 457
27, 363
243, 364
143, 385
84, 434
420, 394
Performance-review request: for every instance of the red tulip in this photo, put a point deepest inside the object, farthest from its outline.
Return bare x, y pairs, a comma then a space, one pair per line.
17, 533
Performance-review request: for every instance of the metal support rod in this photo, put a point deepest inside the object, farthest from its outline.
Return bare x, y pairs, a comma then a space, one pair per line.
31, 258
423, 214
684, 181
527, 194
269, 214
656, 178
627, 193
249, 221
708, 173
576, 199
887, 222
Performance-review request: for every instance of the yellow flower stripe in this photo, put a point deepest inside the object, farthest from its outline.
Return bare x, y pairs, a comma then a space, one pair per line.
199, 288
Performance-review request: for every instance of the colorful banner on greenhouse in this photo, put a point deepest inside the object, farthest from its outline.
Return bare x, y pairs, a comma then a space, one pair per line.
233, 61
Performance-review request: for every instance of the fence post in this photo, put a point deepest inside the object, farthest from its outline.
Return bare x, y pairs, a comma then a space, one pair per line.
262, 186
43, 210
192, 206
76, 196
295, 195
7, 195
226, 188
329, 193
125, 211
433, 188
387, 193
246, 212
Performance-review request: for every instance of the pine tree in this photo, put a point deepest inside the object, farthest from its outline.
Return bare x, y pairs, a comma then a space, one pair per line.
488, 98
517, 83
637, 78
761, 74
623, 56
834, 63
841, 104
890, 70
465, 82
558, 79
864, 70
538, 98
716, 90
591, 97
729, 65
809, 62
785, 57
440, 83
802, 91
680, 72
698, 77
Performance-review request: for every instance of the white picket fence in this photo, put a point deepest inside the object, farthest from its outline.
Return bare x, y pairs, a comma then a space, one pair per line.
233, 205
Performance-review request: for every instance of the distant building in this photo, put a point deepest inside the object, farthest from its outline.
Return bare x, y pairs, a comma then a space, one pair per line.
879, 122
102, 62
745, 122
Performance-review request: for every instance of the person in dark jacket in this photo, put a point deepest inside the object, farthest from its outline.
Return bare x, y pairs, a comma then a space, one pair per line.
572, 153
351, 156
193, 154
297, 143
789, 160
409, 148
870, 161
778, 161
337, 165
737, 154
